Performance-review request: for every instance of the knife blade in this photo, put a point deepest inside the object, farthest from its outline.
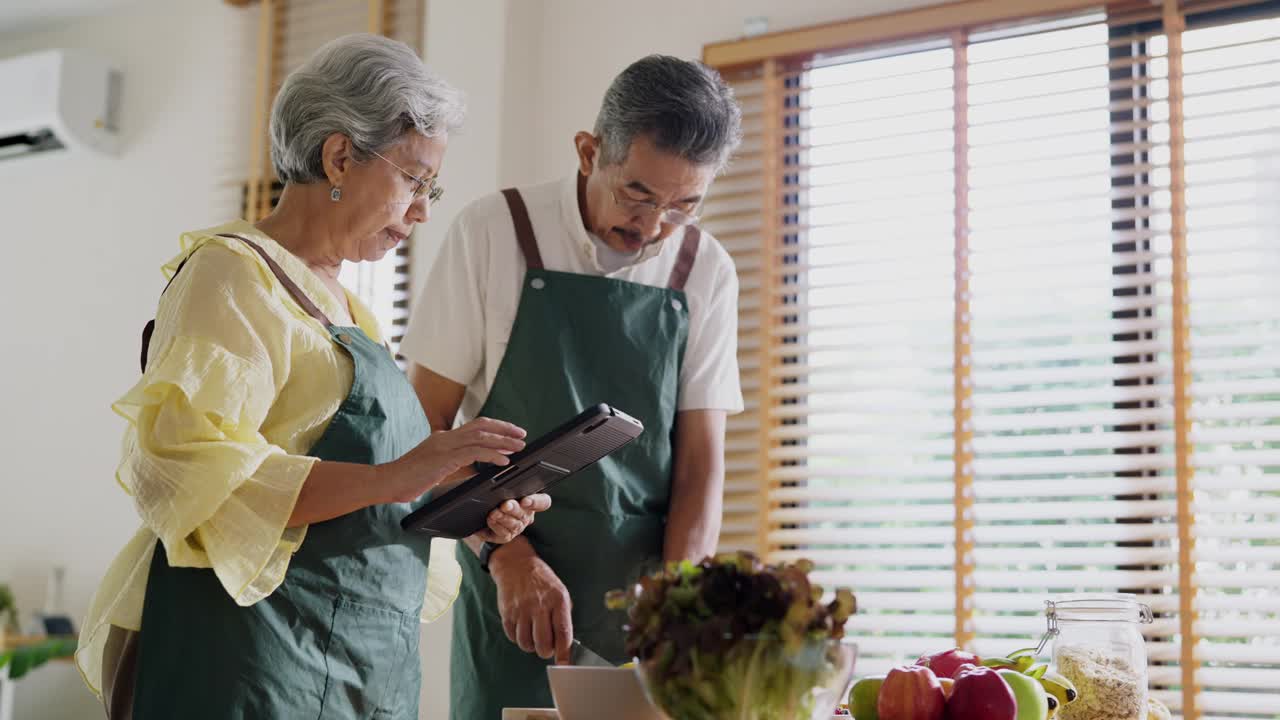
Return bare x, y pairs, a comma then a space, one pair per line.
580, 654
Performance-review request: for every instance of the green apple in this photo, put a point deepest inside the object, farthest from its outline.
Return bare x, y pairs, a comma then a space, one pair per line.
863, 698
1032, 702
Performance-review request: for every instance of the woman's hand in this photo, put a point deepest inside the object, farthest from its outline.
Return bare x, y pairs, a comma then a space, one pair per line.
451, 453
511, 518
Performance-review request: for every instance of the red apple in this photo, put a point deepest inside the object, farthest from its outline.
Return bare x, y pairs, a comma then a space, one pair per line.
944, 664
981, 694
963, 667
912, 693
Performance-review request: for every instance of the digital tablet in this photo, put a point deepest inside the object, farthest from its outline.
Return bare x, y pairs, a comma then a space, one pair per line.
463, 510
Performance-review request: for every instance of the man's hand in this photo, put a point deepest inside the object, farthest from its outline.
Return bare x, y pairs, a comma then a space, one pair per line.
511, 518
534, 604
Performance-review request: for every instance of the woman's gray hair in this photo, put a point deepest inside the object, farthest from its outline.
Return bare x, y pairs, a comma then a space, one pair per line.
371, 89
684, 107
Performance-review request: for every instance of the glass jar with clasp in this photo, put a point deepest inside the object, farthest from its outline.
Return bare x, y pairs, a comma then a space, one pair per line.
1098, 646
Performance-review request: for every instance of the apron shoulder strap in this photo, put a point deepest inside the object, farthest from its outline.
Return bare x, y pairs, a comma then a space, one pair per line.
684, 261
524, 229
294, 291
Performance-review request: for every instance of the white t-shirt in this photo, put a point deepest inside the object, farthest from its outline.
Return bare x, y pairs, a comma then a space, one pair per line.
462, 321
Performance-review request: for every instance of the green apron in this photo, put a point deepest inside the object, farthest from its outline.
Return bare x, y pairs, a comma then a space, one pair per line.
578, 340
339, 637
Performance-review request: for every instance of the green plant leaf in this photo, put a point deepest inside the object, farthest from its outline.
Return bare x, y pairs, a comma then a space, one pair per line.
25, 659
8, 607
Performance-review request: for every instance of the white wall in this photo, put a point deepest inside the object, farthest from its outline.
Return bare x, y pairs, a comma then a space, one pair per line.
83, 239
464, 44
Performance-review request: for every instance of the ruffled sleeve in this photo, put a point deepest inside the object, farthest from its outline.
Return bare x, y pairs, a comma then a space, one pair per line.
203, 477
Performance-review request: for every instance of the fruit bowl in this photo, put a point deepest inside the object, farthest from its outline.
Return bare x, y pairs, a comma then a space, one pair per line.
752, 678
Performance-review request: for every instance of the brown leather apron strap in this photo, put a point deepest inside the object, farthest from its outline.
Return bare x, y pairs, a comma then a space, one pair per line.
684, 261
294, 291
524, 229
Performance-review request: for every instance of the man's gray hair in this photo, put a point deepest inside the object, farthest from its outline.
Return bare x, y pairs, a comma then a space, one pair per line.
371, 89
684, 107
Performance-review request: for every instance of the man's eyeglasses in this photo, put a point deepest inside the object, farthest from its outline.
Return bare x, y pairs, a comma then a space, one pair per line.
421, 185
667, 216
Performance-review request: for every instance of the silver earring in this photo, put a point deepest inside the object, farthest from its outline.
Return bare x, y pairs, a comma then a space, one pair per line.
335, 194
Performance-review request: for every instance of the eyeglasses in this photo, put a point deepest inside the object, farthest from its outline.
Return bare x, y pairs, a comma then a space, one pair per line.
667, 216
420, 185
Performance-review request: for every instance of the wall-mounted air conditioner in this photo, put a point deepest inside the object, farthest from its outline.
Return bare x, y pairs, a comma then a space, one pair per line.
58, 100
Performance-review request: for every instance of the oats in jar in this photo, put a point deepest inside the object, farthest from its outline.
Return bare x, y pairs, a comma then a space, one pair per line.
1109, 687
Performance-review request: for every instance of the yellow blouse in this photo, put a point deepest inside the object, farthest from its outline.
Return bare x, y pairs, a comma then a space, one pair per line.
240, 384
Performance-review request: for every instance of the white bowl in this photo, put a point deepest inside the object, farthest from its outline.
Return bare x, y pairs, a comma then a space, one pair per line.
592, 693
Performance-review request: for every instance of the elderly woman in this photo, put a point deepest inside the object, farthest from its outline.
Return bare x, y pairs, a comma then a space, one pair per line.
273, 443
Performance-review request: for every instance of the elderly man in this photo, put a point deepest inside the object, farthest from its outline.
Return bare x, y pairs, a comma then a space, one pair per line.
595, 288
